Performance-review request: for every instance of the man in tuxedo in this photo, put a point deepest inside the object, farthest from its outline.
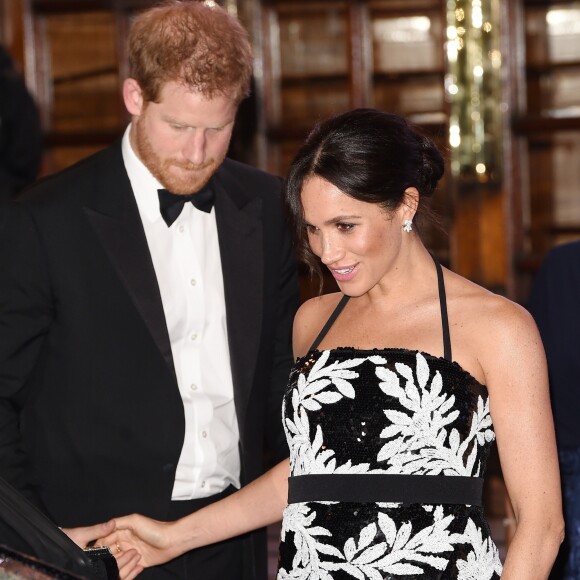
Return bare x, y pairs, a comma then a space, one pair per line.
20, 131
146, 302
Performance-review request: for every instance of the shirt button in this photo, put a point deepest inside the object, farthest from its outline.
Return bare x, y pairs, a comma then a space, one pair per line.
193, 336
193, 281
181, 229
203, 484
204, 434
193, 387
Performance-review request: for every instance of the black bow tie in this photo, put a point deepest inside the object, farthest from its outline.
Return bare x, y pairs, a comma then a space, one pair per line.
171, 204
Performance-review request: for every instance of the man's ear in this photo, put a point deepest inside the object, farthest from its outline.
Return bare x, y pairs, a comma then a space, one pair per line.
410, 203
133, 97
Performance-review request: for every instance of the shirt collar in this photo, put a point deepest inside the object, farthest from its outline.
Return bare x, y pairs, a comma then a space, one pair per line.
144, 184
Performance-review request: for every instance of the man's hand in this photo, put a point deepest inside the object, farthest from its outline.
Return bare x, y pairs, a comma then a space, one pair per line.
83, 536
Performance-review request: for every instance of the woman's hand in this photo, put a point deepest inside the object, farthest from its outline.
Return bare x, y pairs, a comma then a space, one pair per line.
128, 561
257, 505
129, 564
150, 538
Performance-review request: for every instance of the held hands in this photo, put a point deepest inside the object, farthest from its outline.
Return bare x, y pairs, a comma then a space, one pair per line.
150, 538
127, 560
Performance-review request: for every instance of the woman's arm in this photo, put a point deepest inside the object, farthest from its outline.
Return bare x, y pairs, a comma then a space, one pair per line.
256, 505
516, 375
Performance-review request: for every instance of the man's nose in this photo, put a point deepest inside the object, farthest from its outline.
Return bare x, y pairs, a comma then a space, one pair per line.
194, 149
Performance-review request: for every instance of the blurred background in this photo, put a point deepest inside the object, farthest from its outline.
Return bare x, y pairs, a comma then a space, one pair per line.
495, 83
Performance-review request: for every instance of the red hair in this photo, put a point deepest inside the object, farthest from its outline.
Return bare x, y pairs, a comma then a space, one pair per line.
192, 43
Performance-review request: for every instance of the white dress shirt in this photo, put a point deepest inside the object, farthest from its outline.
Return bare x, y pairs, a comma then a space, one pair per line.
187, 263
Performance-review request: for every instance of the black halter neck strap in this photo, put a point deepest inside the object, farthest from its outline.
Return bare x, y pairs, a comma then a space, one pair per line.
444, 317
335, 314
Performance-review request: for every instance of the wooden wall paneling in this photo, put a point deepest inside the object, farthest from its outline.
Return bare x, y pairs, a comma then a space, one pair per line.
408, 59
123, 20
305, 75
465, 257
513, 100
493, 241
547, 125
360, 57
5, 32
479, 238
75, 63
251, 14
269, 83
12, 30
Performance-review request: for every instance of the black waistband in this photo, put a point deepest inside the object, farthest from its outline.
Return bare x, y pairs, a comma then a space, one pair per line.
379, 487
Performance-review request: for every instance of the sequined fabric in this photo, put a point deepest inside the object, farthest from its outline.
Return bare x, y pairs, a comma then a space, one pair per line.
386, 411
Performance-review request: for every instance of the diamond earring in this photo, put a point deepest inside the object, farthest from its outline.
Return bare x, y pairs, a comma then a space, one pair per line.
408, 226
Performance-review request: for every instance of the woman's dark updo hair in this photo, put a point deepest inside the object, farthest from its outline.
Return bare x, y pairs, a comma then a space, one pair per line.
368, 154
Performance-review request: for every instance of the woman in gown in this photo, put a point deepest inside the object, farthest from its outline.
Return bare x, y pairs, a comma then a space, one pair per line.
402, 381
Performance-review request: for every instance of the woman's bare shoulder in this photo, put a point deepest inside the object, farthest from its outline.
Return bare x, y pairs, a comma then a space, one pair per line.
491, 322
488, 310
310, 319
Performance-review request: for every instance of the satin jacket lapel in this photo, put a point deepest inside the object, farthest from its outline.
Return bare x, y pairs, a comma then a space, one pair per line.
240, 237
115, 218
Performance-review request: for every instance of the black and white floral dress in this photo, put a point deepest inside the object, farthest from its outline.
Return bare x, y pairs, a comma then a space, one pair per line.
387, 451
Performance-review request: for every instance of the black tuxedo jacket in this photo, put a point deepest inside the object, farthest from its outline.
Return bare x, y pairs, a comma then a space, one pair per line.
91, 419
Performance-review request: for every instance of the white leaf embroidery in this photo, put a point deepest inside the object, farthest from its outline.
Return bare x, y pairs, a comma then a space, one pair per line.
420, 438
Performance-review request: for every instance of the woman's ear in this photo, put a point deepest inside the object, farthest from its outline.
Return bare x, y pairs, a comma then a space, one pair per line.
410, 203
133, 97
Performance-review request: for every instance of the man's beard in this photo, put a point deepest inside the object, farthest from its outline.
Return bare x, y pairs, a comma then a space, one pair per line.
188, 178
